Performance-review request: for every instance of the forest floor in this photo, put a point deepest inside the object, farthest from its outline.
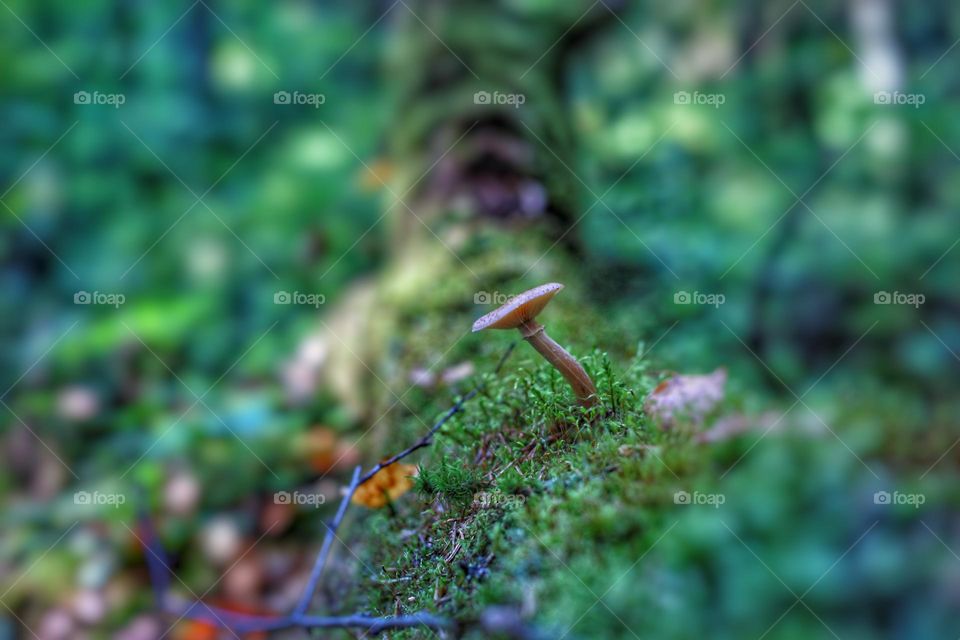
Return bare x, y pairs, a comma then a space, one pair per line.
536, 518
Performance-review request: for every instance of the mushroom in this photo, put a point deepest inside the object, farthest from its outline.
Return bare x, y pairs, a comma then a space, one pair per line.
520, 313
385, 486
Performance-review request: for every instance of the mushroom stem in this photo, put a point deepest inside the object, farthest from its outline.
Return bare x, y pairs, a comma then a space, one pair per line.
534, 333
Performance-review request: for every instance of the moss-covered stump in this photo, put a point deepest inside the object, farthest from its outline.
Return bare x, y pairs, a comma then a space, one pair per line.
535, 518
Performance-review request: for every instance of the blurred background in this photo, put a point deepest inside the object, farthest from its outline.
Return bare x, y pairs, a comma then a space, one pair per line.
190, 192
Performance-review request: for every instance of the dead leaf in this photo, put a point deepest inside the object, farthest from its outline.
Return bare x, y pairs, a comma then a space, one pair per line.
686, 399
732, 426
426, 379
423, 378
203, 630
457, 372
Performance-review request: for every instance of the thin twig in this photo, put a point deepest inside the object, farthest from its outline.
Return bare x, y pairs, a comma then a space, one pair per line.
157, 565
503, 358
246, 623
327, 544
427, 439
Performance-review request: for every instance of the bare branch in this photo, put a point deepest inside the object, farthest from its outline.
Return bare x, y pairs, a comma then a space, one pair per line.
244, 623
327, 543
160, 571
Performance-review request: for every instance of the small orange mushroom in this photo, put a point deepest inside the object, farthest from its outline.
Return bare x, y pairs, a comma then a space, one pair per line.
519, 313
385, 486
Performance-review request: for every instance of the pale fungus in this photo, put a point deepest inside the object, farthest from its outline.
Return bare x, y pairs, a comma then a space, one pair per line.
520, 312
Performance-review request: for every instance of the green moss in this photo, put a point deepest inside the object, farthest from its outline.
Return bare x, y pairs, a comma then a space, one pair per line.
452, 483
571, 516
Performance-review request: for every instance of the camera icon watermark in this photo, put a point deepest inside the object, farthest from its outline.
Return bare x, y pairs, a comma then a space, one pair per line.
511, 99
297, 297
99, 298
96, 498
898, 498
714, 100
299, 98
897, 98
299, 498
697, 498
898, 297
97, 98
695, 297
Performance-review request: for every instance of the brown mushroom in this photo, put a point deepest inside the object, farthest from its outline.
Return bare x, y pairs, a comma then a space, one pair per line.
520, 313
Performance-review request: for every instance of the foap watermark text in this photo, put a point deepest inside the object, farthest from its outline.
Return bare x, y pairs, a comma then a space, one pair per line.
114, 100
299, 297
899, 297
497, 97
699, 298
696, 97
299, 498
697, 498
491, 297
489, 499
899, 98
99, 298
899, 498
299, 98
97, 498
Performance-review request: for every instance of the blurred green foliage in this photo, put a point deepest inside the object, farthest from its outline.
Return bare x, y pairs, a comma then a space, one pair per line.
200, 197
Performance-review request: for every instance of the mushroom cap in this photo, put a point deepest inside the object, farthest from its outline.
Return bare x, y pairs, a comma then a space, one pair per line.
520, 308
